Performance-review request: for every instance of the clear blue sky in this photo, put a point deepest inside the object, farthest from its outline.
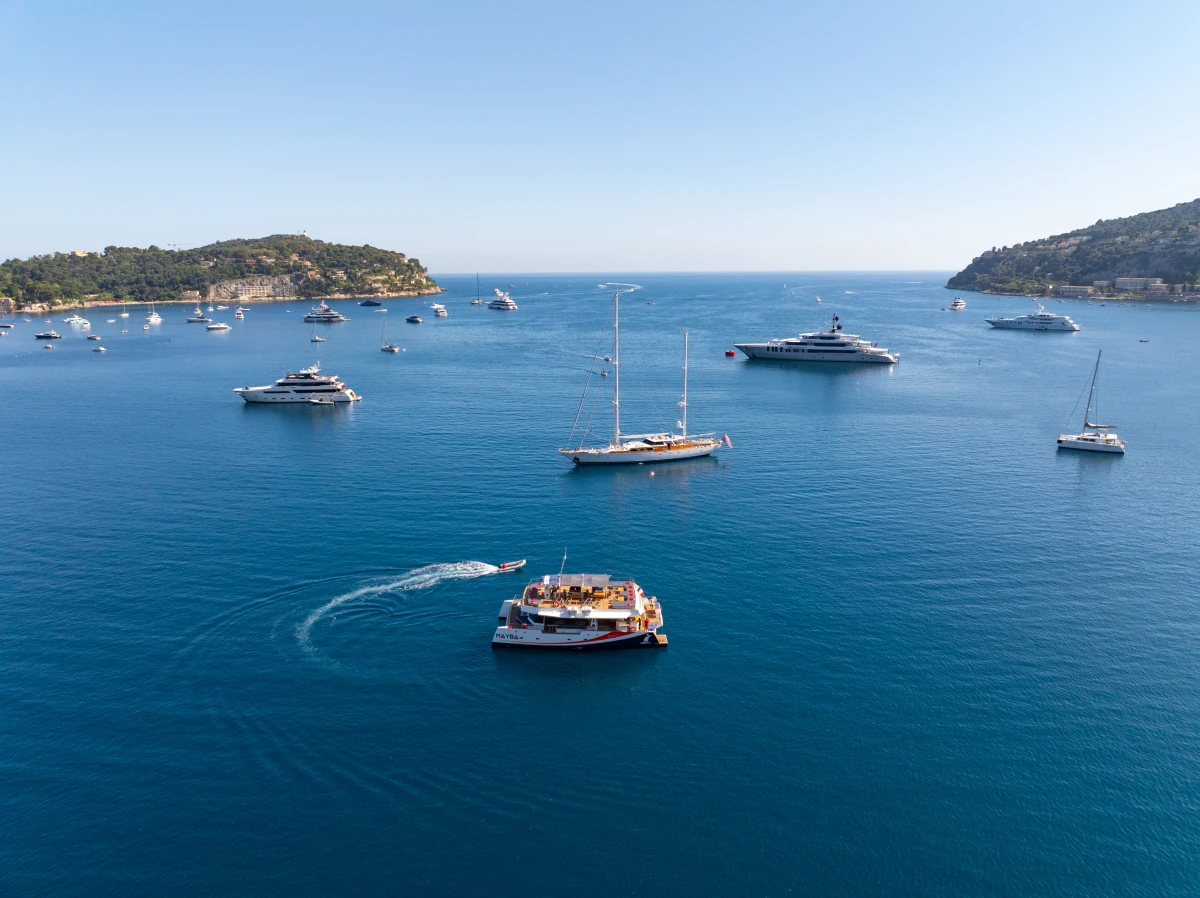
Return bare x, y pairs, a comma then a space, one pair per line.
609, 136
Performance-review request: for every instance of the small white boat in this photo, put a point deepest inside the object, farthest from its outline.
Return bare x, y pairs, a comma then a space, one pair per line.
238, 315
111, 321
414, 319
145, 327
99, 349
219, 308
438, 309
506, 566
381, 310
316, 401
219, 326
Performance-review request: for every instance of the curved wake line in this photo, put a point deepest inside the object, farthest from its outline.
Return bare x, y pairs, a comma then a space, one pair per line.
418, 578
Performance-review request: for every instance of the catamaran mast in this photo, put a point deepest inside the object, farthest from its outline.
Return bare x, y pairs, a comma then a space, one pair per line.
1087, 412
684, 403
616, 441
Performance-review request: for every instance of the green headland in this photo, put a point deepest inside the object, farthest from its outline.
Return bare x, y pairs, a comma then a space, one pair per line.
278, 266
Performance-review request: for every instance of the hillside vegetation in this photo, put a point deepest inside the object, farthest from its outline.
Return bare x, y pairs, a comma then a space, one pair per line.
1163, 244
314, 267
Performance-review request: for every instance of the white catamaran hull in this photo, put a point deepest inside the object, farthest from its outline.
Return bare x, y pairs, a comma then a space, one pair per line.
1066, 441
532, 637
636, 456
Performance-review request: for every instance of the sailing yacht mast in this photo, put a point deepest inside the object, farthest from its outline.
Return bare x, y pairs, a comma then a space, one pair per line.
1087, 412
684, 403
616, 440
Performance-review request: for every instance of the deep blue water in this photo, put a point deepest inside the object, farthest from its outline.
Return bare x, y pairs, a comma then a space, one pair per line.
913, 649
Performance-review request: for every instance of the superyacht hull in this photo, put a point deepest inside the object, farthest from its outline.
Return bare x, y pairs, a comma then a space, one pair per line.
265, 394
768, 351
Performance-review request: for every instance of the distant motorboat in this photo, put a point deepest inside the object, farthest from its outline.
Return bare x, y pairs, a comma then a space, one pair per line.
198, 317
239, 315
414, 319
218, 326
506, 566
48, 335
370, 302
99, 349
958, 305
93, 336
438, 309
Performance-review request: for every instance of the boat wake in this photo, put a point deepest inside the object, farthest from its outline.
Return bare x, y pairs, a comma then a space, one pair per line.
418, 578
629, 288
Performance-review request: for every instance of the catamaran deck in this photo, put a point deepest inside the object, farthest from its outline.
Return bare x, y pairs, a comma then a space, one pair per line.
596, 591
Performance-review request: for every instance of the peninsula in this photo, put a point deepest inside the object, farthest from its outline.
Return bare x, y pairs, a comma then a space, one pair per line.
1150, 253
283, 265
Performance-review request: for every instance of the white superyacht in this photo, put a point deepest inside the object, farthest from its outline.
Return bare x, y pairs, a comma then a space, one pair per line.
323, 312
1041, 320
304, 386
821, 346
502, 301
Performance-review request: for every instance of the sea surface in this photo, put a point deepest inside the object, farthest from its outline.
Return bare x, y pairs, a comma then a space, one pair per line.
914, 650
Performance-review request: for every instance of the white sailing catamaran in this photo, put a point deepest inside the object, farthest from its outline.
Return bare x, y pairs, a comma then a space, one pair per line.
1095, 437
639, 449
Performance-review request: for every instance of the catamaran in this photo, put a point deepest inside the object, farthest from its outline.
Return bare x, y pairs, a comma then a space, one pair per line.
1095, 437
639, 449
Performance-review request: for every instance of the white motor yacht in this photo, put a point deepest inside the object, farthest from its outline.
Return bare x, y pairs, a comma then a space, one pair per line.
303, 386
821, 346
1094, 437
218, 326
238, 315
198, 317
322, 312
581, 611
503, 302
438, 309
958, 305
154, 317
1041, 320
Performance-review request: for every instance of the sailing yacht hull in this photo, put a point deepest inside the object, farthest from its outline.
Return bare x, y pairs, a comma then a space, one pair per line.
638, 456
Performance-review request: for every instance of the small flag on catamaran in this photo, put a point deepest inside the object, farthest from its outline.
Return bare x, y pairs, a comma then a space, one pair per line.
728, 442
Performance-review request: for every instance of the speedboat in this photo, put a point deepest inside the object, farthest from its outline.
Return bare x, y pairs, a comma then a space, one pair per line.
303, 386
414, 319
322, 401
370, 302
507, 566
219, 326
580, 611
99, 349
1041, 320
74, 319
820, 346
93, 336
238, 315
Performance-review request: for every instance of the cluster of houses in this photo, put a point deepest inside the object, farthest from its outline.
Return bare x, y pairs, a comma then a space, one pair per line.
1141, 286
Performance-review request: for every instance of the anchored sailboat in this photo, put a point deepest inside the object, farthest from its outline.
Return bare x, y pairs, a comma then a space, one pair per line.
1095, 437
639, 449
384, 345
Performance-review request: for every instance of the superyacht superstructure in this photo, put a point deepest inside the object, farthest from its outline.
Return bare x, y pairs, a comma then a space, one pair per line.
503, 302
322, 312
1041, 320
303, 386
958, 305
580, 611
821, 346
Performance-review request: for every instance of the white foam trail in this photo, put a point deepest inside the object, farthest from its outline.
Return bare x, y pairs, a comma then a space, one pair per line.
418, 578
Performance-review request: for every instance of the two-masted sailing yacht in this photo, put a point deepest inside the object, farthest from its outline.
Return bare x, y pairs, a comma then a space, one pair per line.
1095, 437
640, 449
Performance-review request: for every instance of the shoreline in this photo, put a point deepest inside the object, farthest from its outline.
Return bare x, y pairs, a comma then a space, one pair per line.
241, 300
1183, 298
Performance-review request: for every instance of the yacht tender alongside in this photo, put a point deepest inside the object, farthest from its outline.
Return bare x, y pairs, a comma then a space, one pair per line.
580, 611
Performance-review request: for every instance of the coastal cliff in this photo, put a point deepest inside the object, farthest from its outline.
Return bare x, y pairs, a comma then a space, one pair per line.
278, 266
1164, 244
